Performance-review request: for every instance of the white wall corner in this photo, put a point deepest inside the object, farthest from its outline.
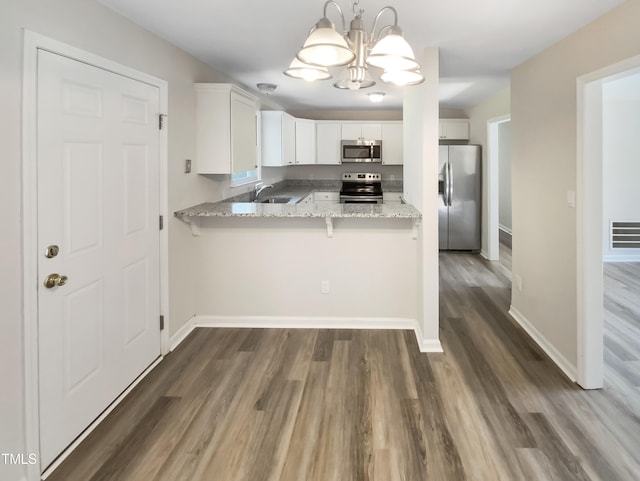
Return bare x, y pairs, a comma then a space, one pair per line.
550, 350
182, 333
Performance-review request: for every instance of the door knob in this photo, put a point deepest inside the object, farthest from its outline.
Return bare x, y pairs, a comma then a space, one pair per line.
53, 280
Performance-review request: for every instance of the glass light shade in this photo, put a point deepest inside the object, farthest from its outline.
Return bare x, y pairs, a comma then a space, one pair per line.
402, 78
392, 52
303, 71
325, 47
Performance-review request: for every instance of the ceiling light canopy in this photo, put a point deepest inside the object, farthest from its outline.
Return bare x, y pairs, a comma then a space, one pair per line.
357, 50
266, 88
376, 97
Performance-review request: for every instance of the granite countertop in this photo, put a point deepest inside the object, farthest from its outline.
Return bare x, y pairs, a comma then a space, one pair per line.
240, 206
250, 209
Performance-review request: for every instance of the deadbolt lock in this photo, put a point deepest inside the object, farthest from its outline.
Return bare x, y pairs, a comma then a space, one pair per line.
51, 251
53, 280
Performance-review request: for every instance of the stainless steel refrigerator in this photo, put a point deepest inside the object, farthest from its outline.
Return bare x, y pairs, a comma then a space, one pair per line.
460, 197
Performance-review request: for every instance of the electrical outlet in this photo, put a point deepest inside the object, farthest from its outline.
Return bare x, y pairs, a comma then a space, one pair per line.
324, 287
187, 166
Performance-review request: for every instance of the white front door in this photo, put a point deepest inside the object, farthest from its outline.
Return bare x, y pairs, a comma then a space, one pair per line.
98, 208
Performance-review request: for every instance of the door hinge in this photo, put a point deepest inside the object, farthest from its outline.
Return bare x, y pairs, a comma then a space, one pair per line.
161, 118
161, 222
162, 323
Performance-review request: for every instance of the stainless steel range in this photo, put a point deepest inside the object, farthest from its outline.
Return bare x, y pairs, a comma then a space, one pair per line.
361, 188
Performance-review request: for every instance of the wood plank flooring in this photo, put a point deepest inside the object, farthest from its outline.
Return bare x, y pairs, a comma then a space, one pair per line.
622, 333
311, 405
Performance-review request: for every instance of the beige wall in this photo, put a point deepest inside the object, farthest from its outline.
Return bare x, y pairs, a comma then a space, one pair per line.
89, 26
543, 107
449, 113
498, 105
285, 260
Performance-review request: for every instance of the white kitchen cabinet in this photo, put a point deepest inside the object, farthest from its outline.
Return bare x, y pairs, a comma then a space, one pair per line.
305, 141
392, 197
226, 129
328, 137
278, 139
454, 129
307, 200
367, 131
326, 197
392, 143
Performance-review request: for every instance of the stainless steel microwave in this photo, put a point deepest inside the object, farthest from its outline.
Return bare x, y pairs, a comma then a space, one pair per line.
361, 151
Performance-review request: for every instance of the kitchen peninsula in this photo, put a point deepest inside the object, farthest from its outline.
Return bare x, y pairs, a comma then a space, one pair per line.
303, 263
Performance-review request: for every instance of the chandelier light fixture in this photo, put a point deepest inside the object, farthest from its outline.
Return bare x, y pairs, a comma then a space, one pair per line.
358, 50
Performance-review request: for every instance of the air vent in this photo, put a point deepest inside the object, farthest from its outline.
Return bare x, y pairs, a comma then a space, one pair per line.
625, 235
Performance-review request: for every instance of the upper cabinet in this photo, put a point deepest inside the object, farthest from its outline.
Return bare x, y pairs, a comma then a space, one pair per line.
454, 129
392, 144
278, 139
305, 141
328, 137
226, 129
355, 131
287, 140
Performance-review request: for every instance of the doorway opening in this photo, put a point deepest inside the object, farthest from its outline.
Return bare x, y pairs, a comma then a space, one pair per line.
499, 226
597, 179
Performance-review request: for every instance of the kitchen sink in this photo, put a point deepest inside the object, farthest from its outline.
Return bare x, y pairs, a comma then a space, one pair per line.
277, 200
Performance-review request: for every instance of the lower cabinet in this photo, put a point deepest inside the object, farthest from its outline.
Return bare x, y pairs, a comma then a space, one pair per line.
392, 197
326, 197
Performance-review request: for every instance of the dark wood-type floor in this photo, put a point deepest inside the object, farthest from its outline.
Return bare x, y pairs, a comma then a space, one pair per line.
329, 405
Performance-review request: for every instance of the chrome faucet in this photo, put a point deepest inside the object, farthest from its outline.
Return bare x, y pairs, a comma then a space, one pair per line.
258, 190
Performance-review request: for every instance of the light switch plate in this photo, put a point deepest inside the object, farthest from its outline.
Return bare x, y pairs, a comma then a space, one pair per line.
187, 166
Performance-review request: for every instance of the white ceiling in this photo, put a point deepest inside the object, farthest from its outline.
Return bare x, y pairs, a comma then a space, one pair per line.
254, 40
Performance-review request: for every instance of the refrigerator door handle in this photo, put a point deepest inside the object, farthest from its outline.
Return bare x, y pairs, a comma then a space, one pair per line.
449, 184
445, 186
445, 190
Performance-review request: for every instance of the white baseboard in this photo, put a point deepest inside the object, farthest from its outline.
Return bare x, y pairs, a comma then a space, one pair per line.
426, 345
182, 333
484, 254
631, 257
430, 345
505, 229
565, 366
287, 322
296, 322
